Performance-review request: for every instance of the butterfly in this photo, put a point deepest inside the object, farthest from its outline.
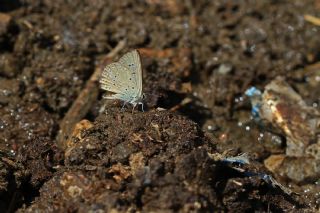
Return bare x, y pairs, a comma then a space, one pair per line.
124, 78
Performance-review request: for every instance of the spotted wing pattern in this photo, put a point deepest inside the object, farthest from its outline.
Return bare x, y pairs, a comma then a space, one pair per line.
124, 78
132, 62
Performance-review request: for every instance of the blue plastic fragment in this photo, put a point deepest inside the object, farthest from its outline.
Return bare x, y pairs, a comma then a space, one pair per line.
269, 180
254, 94
255, 111
241, 159
252, 91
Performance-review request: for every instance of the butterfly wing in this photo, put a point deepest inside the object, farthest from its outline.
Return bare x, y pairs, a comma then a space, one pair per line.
132, 62
124, 78
111, 78
116, 78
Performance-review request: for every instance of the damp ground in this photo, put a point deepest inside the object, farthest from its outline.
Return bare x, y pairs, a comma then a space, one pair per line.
64, 148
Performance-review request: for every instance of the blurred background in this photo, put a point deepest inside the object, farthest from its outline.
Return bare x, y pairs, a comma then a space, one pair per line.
199, 59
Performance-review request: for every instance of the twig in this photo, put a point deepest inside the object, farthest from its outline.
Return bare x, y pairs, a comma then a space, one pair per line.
116, 49
312, 19
84, 101
312, 67
180, 105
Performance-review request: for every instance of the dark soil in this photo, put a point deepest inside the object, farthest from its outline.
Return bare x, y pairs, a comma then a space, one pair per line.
198, 59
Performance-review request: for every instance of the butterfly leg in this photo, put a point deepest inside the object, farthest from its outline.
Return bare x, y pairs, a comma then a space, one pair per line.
124, 104
142, 107
134, 106
103, 108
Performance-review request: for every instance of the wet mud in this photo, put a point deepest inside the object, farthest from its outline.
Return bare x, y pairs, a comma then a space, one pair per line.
64, 148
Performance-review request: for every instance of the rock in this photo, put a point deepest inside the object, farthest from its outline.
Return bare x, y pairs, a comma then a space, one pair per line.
9, 66
5, 20
8, 89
